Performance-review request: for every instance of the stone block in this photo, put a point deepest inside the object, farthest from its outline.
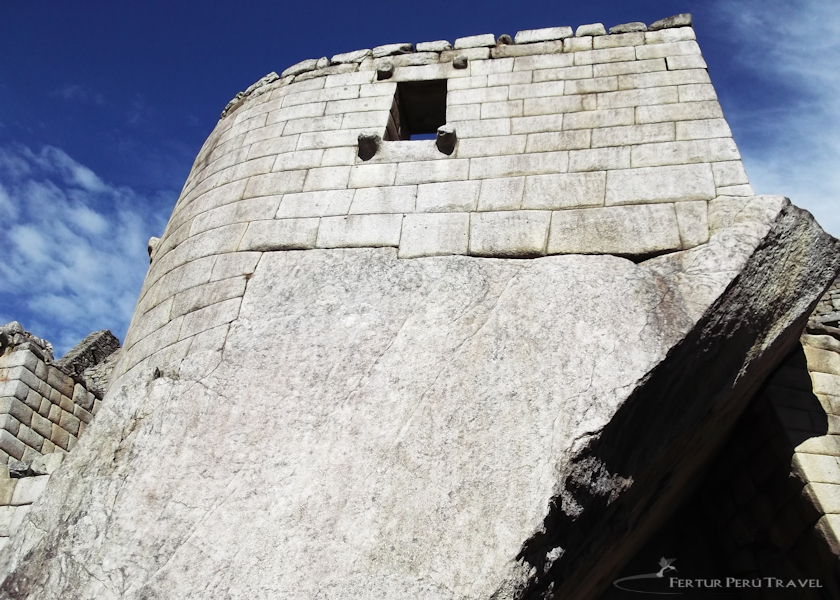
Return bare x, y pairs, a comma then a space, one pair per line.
821, 444
496, 110
702, 129
549, 47
21, 358
626, 230
516, 165
29, 489
491, 146
355, 56
683, 111
204, 319
663, 78
824, 495
667, 49
549, 106
692, 218
48, 464
599, 159
327, 178
501, 194
346, 92
373, 119
370, 103
375, 175
483, 128
729, 173
472, 82
697, 92
26, 376
516, 78
817, 468
302, 67
455, 196
443, 70
536, 124
822, 361
824, 383
598, 118
68, 422
735, 190
33, 400
605, 55
432, 171
529, 36
338, 156
476, 41
628, 27
577, 44
16, 408
678, 183
30, 437
478, 95
663, 36
271, 184
618, 41
44, 409
590, 29
462, 112
632, 66
434, 234
7, 489
511, 234
299, 111
436, 46
355, 231
19, 516
392, 49
684, 152
825, 342
11, 445
638, 97
590, 86
392, 199
41, 425
491, 67
542, 61
84, 416
253, 209
536, 90
10, 424
632, 134
558, 140
691, 61
564, 190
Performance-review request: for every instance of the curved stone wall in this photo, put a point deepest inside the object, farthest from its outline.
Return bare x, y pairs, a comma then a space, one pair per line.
592, 143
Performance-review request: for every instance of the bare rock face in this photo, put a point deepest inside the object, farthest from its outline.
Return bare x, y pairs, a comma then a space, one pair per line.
438, 428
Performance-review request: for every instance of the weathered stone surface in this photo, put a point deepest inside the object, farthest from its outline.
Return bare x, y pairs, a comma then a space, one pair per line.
681, 20
408, 399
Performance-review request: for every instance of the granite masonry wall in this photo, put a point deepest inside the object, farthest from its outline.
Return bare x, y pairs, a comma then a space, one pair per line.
554, 142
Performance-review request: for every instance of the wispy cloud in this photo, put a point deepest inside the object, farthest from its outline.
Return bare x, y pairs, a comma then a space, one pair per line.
78, 93
74, 246
793, 149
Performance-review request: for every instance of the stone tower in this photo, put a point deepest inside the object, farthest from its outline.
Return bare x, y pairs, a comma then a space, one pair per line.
434, 321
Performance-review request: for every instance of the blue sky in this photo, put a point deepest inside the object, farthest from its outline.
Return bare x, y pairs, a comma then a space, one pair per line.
103, 106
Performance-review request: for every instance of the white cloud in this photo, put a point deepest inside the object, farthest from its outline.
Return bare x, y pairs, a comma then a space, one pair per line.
794, 148
74, 246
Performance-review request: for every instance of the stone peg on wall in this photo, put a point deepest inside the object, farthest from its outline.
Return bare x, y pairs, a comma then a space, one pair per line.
369, 145
152, 247
446, 138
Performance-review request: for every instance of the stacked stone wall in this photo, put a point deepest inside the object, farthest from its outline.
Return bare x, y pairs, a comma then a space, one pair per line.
566, 143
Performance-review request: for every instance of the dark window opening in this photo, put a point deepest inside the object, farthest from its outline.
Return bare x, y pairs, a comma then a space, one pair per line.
419, 109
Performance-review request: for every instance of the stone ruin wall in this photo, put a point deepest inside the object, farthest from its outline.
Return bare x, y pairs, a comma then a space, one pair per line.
584, 143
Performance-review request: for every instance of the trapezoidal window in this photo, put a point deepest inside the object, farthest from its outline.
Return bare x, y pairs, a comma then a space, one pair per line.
419, 109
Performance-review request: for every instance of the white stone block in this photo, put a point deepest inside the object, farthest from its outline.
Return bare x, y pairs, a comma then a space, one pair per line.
476, 41
598, 118
210, 317
735, 190
415, 59
313, 109
513, 234
359, 105
606, 55
379, 88
599, 159
564, 190
703, 129
678, 183
467, 83
619, 40
360, 78
664, 50
640, 97
590, 86
470, 54
685, 152
536, 90
293, 161
552, 106
434, 234
362, 176
633, 66
433, 171
326, 178
498, 110
577, 44
491, 146
542, 61
280, 234
537, 124
662, 78
501, 194
308, 124
392, 199
562, 73
817, 468
558, 140
697, 92
375, 119
529, 36
329, 139
473, 96
590, 29
663, 36
729, 173
345, 92
454, 196
246, 169
482, 128
632, 134
29, 489
491, 67
514, 50
624, 230
429, 72
391, 49
691, 61
513, 78
516, 165
355, 56
356, 231
683, 111
301, 67
253, 209
463, 112
315, 204
437, 46
233, 264
692, 218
